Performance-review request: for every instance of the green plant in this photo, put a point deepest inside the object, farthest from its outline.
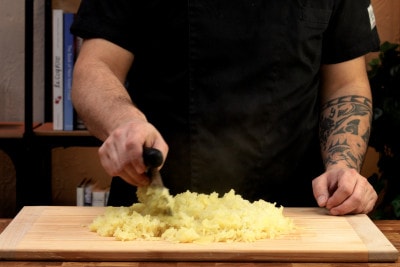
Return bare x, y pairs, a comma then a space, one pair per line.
384, 77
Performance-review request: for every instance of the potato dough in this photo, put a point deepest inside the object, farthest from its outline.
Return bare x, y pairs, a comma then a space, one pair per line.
196, 218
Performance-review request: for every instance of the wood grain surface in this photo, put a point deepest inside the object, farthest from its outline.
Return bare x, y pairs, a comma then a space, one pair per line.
55, 233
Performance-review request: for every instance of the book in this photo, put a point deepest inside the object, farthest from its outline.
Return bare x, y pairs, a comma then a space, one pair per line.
87, 200
84, 192
68, 59
57, 68
78, 122
80, 193
99, 198
89, 194
78, 45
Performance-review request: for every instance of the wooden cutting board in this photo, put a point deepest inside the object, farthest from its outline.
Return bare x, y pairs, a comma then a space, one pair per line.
61, 233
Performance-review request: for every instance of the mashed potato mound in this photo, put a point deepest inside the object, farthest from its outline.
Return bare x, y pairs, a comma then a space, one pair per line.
196, 218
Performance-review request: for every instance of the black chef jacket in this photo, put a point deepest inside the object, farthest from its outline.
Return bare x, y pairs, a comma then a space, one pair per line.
232, 85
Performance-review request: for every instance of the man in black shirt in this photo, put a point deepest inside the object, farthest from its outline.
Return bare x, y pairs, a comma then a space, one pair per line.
238, 94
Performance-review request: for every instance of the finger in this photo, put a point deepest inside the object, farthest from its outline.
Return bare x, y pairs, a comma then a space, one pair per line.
346, 187
159, 144
370, 199
371, 204
361, 200
347, 207
109, 159
133, 178
320, 190
135, 173
362, 195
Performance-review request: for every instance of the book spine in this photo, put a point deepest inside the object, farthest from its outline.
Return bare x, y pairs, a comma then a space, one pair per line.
57, 47
99, 198
68, 120
80, 192
88, 194
80, 196
78, 122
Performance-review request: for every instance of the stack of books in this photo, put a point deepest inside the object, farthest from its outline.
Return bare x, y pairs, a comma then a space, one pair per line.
65, 48
89, 194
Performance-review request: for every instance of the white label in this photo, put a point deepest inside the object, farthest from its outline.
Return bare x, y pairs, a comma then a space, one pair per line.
372, 20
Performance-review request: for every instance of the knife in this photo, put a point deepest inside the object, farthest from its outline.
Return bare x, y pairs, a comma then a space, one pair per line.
155, 196
153, 159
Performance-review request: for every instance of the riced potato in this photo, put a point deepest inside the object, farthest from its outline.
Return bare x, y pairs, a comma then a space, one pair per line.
196, 218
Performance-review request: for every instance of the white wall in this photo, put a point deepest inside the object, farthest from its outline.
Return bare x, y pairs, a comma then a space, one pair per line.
12, 56
12, 36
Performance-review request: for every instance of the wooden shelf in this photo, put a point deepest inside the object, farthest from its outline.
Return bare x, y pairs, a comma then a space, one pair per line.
46, 129
13, 129
68, 6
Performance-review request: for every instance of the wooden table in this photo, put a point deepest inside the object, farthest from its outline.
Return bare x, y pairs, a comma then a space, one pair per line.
390, 228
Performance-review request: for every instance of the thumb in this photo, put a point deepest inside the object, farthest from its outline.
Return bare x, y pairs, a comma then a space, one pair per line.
320, 190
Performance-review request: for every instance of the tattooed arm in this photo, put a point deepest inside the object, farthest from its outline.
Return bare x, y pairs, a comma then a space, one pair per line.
345, 123
344, 130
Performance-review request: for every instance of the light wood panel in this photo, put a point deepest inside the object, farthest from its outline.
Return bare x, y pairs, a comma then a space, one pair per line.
61, 233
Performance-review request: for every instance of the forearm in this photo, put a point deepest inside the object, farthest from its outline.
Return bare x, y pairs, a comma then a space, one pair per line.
344, 133
345, 123
344, 130
101, 99
98, 91
345, 114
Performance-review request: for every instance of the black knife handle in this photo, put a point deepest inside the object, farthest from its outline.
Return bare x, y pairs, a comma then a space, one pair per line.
152, 157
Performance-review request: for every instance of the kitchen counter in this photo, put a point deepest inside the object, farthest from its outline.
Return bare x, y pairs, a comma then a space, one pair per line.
390, 228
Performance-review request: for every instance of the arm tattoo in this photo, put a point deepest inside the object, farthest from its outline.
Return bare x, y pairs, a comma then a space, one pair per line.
344, 119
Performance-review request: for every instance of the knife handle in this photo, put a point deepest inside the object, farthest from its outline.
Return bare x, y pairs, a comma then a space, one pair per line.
152, 157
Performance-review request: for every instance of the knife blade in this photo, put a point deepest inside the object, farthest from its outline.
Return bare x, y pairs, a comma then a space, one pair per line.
155, 196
